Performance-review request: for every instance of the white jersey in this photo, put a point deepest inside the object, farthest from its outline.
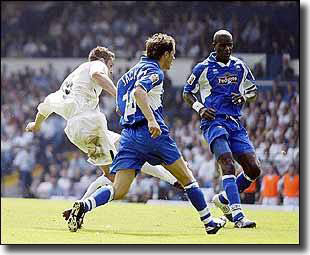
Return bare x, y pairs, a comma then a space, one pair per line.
77, 94
77, 102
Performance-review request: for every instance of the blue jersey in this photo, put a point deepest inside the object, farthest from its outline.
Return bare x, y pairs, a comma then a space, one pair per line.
147, 74
216, 81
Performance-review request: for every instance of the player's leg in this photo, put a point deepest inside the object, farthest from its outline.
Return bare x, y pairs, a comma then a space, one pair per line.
221, 149
181, 172
243, 153
102, 196
99, 182
161, 173
251, 170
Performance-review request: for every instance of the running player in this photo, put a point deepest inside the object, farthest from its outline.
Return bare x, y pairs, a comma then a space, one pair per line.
225, 83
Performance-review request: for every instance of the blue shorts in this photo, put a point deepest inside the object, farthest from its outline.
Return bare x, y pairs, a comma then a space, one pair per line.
137, 147
234, 133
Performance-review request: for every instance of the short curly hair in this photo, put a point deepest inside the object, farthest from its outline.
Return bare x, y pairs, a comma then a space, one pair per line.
158, 44
101, 53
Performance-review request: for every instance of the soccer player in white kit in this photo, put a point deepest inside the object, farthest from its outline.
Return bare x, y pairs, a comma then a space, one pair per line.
77, 101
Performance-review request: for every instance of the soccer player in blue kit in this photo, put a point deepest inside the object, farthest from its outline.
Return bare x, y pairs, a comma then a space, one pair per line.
145, 137
225, 83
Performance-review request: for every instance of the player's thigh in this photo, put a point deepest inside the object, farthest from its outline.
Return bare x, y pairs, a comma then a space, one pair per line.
180, 171
249, 163
122, 182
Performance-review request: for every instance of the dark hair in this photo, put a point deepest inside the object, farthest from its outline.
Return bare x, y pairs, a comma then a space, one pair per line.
100, 53
158, 44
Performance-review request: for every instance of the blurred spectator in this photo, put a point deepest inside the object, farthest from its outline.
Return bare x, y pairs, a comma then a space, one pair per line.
289, 186
248, 195
42, 191
25, 162
55, 190
269, 187
64, 182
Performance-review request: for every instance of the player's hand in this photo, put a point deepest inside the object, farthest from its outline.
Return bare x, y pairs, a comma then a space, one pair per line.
207, 113
154, 129
31, 127
237, 98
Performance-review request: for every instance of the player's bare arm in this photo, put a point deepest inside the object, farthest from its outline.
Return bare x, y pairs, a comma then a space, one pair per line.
142, 102
191, 100
105, 82
35, 126
250, 95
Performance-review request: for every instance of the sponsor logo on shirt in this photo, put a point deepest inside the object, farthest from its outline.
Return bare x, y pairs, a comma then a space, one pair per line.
227, 79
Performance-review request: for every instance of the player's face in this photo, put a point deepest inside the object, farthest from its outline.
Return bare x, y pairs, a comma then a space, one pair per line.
223, 47
110, 67
169, 57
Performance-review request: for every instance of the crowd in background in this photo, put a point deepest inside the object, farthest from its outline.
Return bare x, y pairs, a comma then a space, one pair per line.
71, 29
50, 166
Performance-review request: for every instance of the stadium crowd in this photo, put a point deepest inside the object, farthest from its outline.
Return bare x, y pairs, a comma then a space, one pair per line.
50, 166
70, 29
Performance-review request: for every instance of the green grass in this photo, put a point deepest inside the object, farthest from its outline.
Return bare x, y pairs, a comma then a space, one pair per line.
34, 221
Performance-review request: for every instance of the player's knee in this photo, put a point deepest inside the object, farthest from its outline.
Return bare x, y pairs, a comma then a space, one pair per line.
253, 170
227, 165
119, 194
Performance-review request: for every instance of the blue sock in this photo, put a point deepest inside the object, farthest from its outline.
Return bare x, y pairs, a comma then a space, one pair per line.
223, 199
243, 182
102, 196
197, 199
231, 189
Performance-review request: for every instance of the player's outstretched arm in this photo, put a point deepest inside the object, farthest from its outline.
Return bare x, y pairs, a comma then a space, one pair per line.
143, 103
105, 82
35, 125
191, 100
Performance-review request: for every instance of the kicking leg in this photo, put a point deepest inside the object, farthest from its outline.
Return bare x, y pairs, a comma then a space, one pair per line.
159, 172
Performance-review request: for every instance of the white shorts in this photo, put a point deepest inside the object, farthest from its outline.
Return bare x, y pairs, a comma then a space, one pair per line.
294, 201
270, 201
89, 132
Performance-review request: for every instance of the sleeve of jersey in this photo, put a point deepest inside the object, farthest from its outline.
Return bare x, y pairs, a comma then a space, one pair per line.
97, 66
248, 87
192, 83
45, 108
150, 79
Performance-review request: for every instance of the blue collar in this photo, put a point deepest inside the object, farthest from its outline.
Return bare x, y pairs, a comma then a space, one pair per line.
147, 59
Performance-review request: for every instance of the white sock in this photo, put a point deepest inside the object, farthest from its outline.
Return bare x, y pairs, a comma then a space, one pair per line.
100, 181
159, 172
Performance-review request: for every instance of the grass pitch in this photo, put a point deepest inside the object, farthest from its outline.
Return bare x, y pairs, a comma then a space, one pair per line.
35, 221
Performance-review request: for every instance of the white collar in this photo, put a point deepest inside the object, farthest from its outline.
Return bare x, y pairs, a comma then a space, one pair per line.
222, 64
